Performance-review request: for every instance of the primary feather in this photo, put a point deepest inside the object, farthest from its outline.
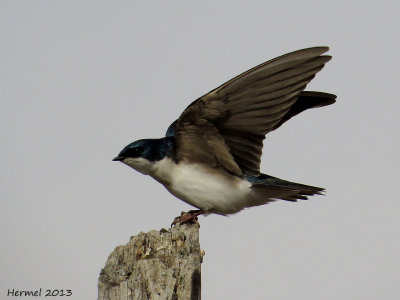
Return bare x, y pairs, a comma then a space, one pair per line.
233, 119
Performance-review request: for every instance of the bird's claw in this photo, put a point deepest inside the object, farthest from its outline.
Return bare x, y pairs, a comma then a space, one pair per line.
189, 217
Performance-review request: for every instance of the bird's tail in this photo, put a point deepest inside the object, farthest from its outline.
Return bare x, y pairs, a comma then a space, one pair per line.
267, 188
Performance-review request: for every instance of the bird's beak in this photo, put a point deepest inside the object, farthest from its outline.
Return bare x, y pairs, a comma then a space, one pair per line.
118, 158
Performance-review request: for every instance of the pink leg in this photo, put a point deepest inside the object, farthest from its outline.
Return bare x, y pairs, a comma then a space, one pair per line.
188, 217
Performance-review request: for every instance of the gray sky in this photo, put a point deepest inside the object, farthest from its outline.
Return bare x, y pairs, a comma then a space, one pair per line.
81, 79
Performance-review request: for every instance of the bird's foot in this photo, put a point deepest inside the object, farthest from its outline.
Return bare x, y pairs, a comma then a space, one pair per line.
188, 217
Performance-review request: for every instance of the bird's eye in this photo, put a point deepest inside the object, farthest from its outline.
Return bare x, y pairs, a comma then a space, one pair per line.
134, 152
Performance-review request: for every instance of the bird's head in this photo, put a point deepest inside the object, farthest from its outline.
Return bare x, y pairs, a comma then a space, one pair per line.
142, 154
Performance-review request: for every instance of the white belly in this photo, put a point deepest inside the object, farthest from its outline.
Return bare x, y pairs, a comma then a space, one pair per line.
203, 187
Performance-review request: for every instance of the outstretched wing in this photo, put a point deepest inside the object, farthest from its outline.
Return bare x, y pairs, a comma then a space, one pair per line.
226, 127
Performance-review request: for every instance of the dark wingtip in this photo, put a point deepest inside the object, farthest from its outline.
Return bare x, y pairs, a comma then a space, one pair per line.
322, 97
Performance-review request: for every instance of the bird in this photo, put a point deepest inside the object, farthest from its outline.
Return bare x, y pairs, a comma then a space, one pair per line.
210, 156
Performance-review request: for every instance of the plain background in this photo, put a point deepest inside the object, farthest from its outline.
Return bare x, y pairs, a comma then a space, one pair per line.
81, 79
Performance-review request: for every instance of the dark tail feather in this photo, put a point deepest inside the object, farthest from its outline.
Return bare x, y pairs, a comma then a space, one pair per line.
305, 101
267, 187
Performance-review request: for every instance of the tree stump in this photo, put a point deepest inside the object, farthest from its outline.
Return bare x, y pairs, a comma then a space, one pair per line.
163, 264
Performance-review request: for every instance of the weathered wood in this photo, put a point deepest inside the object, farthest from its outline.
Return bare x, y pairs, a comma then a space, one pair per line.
163, 264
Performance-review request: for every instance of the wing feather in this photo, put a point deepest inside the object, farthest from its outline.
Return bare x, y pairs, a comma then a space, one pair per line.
225, 128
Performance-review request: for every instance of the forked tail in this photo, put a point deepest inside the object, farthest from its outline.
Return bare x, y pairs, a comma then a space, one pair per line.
268, 188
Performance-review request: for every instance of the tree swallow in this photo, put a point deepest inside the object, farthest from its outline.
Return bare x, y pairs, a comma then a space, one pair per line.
210, 156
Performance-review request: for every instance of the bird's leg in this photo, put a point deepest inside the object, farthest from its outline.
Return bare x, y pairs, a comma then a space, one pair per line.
188, 217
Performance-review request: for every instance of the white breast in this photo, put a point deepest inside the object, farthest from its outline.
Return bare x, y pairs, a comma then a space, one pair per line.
203, 187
